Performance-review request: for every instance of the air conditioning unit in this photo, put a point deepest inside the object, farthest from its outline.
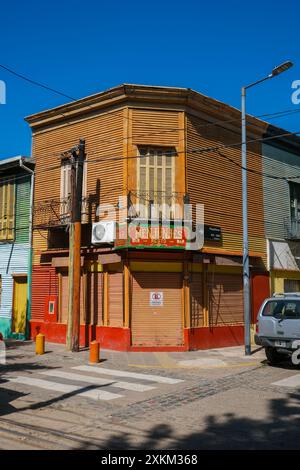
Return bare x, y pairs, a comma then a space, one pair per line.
104, 232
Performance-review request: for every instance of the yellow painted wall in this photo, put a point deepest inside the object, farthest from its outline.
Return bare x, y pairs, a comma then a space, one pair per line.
277, 279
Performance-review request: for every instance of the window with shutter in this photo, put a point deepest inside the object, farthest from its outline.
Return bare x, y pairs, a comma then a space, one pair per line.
7, 208
156, 181
65, 192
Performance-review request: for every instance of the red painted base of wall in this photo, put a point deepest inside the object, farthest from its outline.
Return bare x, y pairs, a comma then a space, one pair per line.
218, 337
118, 339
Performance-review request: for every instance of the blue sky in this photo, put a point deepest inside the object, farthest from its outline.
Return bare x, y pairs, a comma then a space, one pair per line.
84, 47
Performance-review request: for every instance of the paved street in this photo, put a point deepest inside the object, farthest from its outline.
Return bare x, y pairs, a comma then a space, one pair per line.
195, 400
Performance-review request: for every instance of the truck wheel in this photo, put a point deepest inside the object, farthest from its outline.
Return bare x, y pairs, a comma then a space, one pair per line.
273, 356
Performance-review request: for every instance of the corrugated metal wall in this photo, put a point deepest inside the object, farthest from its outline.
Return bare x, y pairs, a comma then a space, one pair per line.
280, 163
44, 283
197, 300
115, 299
13, 260
14, 256
225, 299
104, 141
22, 210
216, 182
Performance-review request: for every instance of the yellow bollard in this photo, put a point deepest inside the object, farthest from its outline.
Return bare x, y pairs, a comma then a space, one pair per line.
94, 352
40, 344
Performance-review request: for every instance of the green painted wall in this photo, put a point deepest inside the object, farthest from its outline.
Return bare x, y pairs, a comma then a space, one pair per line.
22, 210
5, 327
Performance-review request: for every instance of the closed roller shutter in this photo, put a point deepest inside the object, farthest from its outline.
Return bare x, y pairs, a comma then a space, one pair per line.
161, 325
196, 293
225, 295
94, 298
115, 299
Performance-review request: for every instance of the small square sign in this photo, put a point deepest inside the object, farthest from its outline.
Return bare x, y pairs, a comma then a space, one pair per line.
156, 299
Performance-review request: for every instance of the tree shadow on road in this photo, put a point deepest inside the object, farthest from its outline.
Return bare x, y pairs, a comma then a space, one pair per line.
281, 430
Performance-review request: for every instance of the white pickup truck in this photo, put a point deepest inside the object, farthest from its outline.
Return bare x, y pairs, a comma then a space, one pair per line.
278, 326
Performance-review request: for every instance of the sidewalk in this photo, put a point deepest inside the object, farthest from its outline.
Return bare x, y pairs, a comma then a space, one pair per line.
205, 362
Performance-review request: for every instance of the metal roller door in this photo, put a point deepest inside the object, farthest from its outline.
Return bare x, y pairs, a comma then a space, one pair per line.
225, 297
115, 299
196, 293
156, 325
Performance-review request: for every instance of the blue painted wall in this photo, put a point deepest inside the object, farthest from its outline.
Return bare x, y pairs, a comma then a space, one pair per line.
13, 260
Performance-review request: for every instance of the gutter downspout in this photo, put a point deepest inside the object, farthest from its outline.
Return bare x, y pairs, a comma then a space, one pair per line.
29, 267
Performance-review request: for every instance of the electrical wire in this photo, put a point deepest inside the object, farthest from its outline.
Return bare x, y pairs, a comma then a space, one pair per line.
216, 122
33, 82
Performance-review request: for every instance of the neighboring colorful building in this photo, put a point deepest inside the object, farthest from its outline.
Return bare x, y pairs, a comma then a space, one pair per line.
281, 165
148, 144
15, 192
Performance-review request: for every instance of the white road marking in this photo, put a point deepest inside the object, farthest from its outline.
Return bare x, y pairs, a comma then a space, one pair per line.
98, 381
293, 381
202, 362
133, 375
64, 388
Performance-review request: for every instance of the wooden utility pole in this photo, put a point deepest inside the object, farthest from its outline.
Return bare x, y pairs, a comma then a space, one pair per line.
73, 327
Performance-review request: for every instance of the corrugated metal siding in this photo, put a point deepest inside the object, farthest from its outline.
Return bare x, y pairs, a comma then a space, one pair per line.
104, 140
163, 128
64, 299
196, 293
115, 299
155, 127
277, 162
22, 209
103, 135
44, 283
217, 183
156, 326
225, 299
13, 260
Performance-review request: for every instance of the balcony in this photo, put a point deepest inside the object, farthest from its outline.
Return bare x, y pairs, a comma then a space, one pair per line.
156, 205
292, 228
54, 213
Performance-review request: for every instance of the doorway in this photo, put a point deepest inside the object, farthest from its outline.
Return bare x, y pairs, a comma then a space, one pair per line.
19, 304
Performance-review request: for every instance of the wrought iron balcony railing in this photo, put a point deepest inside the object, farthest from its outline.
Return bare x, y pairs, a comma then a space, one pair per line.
159, 205
292, 228
56, 212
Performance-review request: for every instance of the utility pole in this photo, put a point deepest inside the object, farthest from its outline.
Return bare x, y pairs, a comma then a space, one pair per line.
77, 163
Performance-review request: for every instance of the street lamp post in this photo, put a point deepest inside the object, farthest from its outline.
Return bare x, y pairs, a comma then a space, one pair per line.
246, 271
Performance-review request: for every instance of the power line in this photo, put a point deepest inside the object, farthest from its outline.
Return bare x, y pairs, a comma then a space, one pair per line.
217, 122
176, 153
251, 170
33, 82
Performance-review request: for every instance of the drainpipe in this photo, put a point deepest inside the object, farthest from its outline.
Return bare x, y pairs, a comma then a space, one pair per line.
29, 268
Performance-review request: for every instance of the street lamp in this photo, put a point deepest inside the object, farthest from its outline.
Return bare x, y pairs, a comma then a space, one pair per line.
246, 272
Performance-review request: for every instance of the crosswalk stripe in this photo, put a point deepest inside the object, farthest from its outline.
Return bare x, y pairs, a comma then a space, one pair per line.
64, 388
133, 375
293, 381
98, 381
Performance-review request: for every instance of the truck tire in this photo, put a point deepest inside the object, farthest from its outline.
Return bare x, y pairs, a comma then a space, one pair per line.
273, 356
